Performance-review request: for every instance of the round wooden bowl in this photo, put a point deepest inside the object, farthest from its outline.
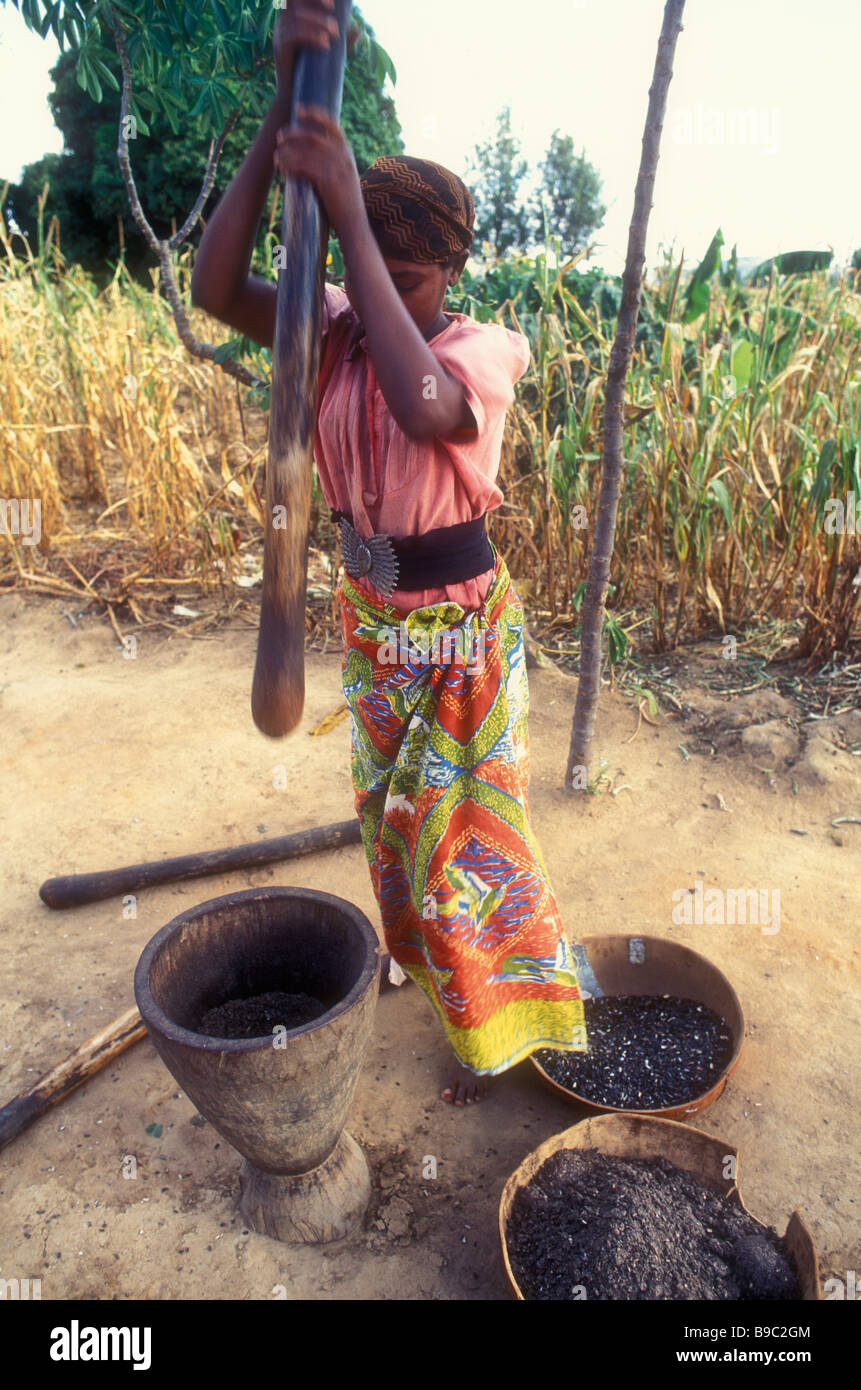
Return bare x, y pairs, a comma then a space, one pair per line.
653, 965
643, 1136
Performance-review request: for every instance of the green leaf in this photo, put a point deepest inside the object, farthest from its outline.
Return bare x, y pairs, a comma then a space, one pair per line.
791, 320
161, 40
105, 73
146, 100
91, 82
171, 89
225, 351
224, 91
617, 641
730, 275
216, 108
819, 398
648, 695
73, 28
135, 44
174, 13
742, 362
48, 20
718, 490
173, 118
134, 109
568, 450
823, 474
697, 299
793, 263
267, 16
380, 63
201, 101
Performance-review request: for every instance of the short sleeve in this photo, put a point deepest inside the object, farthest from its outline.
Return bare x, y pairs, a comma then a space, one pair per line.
487, 360
337, 319
335, 306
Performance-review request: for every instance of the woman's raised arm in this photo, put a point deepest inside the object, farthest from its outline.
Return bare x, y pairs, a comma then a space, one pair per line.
221, 283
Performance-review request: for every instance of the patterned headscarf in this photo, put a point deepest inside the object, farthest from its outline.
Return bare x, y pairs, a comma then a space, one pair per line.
418, 210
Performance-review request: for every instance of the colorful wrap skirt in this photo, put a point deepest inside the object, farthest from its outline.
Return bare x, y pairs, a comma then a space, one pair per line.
440, 765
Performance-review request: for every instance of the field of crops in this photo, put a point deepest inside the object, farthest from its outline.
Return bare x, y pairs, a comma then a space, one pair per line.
742, 497
743, 433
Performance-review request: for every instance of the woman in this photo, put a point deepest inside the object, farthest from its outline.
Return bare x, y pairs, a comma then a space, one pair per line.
411, 411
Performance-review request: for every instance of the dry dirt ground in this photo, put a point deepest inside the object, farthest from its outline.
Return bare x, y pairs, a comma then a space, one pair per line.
109, 760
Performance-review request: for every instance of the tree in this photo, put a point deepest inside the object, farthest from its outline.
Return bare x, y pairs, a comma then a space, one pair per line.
86, 189
598, 575
369, 120
569, 191
168, 50
495, 176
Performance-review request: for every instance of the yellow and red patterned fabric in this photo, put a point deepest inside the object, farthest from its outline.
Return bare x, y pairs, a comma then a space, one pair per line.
440, 766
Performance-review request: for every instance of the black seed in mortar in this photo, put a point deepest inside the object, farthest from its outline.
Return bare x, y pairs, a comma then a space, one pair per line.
646, 1052
603, 1228
258, 1016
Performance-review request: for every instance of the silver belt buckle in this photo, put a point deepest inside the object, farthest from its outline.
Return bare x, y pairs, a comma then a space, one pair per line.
373, 559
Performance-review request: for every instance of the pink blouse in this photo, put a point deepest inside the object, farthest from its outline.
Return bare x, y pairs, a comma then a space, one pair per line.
397, 486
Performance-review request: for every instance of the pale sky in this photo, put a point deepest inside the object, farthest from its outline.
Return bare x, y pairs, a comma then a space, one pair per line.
761, 136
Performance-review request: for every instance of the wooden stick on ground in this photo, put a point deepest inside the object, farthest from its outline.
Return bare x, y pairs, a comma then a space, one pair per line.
78, 1067
76, 889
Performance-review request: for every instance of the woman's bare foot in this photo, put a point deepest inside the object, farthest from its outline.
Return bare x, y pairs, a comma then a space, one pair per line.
463, 1087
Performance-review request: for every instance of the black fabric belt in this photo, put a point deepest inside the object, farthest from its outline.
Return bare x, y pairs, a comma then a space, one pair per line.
446, 555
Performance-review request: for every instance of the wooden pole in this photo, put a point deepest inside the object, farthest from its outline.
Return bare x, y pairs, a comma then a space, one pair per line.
598, 577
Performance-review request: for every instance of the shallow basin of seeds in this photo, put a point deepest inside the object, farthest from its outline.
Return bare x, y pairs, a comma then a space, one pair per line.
646, 1052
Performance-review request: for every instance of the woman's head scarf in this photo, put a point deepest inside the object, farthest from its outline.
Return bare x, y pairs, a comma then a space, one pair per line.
418, 210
